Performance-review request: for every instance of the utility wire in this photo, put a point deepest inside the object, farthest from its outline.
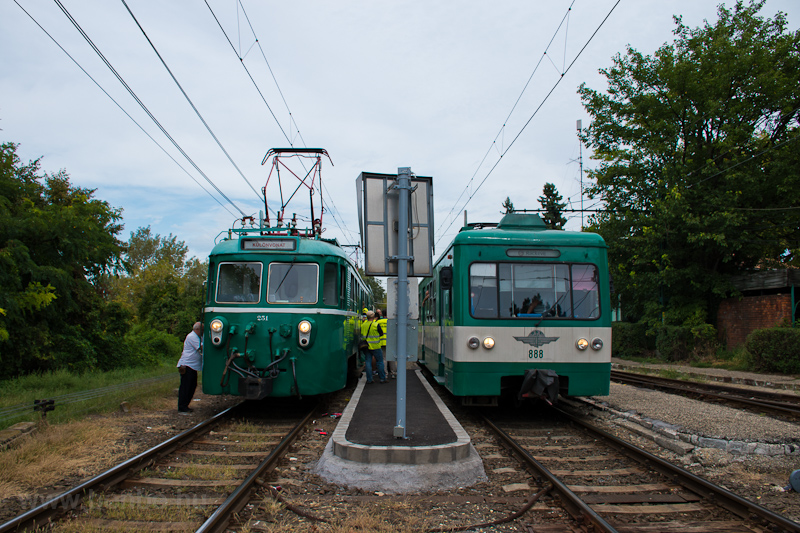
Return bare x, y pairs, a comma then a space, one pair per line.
123, 110
332, 210
536, 111
493, 145
141, 104
153, 46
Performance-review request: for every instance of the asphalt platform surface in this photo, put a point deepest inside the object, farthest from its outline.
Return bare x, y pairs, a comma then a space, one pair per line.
375, 416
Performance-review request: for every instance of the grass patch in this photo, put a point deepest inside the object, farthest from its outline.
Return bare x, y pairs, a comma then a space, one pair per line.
43, 459
77, 395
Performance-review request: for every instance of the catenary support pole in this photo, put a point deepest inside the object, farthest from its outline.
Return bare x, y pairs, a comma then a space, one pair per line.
403, 185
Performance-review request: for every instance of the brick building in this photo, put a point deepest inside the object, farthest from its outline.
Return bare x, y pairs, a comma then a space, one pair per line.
769, 298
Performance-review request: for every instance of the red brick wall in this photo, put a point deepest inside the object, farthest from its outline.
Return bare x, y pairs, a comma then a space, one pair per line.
737, 318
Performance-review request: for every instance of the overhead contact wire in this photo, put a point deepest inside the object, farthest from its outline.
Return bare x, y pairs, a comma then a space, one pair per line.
153, 46
123, 109
536, 111
141, 104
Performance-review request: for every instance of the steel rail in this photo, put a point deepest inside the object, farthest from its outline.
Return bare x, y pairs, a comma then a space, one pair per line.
70, 499
573, 504
731, 394
723, 497
220, 519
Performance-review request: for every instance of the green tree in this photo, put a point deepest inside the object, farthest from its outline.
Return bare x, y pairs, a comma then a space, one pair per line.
162, 289
553, 207
378, 292
698, 156
57, 243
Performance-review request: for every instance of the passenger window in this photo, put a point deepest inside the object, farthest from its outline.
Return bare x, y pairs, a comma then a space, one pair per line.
330, 296
239, 282
483, 290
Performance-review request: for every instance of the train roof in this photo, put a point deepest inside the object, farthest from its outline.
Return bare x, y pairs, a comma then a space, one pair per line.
240, 241
524, 229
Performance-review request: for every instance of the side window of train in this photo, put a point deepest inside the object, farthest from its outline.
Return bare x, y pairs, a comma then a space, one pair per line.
330, 296
585, 291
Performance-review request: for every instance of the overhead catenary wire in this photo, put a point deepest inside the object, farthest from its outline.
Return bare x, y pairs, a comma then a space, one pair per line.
197, 112
123, 110
332, 209
500, 133
141, 104
536, 111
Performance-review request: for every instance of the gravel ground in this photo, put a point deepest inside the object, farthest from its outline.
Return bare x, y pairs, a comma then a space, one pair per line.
699, 418
758, 478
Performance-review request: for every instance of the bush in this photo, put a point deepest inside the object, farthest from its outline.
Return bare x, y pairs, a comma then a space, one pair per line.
628, 339
673, 343
774, 350
150, 346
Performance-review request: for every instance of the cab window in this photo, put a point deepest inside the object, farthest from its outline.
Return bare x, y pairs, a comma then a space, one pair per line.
239, 282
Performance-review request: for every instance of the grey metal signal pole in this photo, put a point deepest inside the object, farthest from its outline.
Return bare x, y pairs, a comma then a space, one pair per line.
403, 185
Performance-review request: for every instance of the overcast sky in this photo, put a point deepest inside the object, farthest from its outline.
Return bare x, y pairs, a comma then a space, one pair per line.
379, 85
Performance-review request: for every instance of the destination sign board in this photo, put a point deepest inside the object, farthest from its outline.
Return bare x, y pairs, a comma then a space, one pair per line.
532, 252
282, 245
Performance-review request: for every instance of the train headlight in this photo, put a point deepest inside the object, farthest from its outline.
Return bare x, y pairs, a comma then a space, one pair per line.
582, 344
488, 343
597, 343
473, 343
304, 333
216, 330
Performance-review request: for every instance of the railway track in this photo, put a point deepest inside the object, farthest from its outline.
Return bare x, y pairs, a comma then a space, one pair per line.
755, 399
195, 481
606, 484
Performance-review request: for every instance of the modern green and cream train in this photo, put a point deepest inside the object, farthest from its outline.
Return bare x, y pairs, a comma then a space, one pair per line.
517, 309
281, 314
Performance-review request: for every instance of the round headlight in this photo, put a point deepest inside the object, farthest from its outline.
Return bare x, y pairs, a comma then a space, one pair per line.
488, 343
304, 326
582, 344
597, 343
216, 325
473, 343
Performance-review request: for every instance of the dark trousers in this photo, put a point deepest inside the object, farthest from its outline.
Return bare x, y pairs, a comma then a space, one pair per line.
187, 388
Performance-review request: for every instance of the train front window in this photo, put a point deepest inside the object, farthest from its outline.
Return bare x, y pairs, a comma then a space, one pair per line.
534, 290
294, 283
239, 282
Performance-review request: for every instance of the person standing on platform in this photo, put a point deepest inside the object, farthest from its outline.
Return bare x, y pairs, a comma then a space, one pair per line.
190, 363
369, 332
391, 366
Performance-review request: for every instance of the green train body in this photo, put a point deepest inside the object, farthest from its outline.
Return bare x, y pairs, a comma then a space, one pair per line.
282, 315
514, 298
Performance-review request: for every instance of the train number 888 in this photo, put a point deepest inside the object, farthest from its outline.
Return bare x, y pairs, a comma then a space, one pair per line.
535, 354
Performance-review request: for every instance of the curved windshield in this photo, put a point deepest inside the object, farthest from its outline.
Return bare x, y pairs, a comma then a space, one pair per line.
533, 290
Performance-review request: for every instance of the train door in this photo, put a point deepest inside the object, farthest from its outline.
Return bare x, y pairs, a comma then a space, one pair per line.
445, 311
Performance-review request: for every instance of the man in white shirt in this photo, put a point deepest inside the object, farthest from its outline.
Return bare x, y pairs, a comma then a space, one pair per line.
190, 363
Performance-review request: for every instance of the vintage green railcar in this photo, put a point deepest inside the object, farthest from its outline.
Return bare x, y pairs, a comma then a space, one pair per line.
282, 314
513, 303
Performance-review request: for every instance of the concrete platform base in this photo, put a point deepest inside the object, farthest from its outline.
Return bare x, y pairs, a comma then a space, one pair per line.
400, 478
451, 462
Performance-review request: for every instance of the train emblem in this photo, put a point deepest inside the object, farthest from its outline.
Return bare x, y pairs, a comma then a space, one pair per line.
537, 339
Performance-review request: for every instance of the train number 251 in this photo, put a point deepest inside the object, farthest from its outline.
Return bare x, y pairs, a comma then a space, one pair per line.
535, 354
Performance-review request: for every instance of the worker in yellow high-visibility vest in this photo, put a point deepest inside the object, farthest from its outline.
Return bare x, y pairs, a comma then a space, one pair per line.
391, 366
371, 333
